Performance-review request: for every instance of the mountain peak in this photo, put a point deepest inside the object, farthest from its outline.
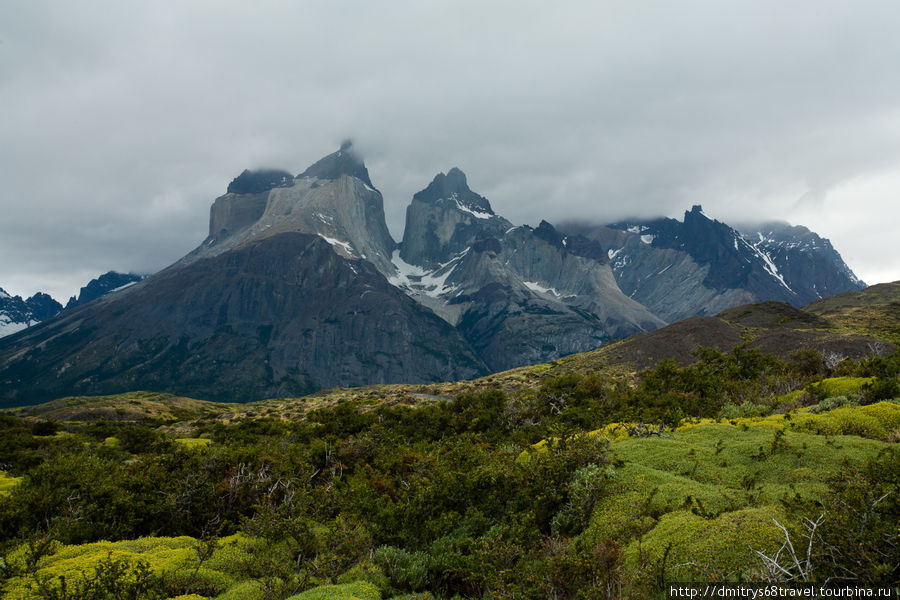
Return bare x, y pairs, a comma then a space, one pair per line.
696, 211
258, 181
343, 162
453, 186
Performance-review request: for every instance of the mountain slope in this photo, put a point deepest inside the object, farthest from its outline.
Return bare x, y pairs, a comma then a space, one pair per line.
282, 315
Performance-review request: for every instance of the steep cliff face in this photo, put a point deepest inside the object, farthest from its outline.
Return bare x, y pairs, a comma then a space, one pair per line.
282, 315
445, 219
808, 263
519, 295
333, 199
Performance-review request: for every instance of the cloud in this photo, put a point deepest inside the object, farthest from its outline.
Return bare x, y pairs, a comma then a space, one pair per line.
123, 122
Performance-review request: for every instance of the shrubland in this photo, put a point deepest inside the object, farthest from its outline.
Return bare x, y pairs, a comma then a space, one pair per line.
582, 485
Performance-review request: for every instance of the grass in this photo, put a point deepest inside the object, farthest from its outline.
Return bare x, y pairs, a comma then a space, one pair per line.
130, 406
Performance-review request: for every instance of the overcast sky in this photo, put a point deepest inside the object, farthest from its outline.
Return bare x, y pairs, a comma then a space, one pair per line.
120, 121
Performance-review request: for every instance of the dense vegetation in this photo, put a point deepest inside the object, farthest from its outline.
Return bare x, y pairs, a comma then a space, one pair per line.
584, 486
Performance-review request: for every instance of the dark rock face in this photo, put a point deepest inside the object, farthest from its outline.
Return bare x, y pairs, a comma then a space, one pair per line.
809, 264
283, 315
257, 182
102, 285
700, 266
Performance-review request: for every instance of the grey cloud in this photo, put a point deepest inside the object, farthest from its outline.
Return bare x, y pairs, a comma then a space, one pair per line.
123, 121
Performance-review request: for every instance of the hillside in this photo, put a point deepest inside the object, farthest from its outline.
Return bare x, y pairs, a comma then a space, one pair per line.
586, 475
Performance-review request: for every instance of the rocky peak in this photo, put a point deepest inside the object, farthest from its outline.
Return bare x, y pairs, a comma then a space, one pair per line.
343, 162
549, 234
17, 313
453, 189
108, 282
333, 198
256, 182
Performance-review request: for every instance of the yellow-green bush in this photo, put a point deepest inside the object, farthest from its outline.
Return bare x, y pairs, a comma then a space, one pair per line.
194, 443
246, 590
7, 482
696, 548
174, 559
360, 590
875, 421
710, 491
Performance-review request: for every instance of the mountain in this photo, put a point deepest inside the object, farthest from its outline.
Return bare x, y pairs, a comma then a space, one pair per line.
284, 297
807, 262
299, 286
855, 325
701, 266
102, 285
17, 313
518, 295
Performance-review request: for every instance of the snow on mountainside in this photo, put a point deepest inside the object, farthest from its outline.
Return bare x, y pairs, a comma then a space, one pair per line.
809, 262
17, 313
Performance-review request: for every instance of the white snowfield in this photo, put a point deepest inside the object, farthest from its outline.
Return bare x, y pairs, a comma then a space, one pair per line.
416, 279
476, 213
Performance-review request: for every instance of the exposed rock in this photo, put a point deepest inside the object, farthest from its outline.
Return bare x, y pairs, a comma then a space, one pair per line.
282, 315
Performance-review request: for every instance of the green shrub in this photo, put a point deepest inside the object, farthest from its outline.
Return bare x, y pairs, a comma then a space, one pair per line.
406, 570
360, 590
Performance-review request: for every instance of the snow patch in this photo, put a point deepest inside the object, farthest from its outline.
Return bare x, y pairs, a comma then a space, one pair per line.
122, 287
648, 239
335, 242
612, 253
416, 279
637, 229
477, 214
10, 327
536, 287
768, 264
